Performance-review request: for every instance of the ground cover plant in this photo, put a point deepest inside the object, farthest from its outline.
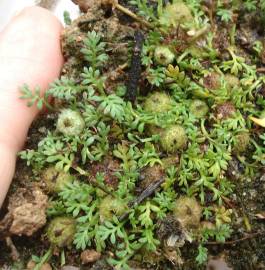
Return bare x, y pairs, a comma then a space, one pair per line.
154, 136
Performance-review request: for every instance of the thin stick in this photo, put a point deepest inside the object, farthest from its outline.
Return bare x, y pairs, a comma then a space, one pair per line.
227, 201
250, 236
199, 33
145, 194
44, 259
131, 14
14, 252
93, 182
261, 69
123, 66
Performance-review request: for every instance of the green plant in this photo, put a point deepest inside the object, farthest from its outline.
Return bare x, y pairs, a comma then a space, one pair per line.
67, 18
235, 65
34, 97
40, 261
258, 47
93, 78
111, 105
219, 233
156, 76
202, 254
145, 10
190, 120
94, 50
224, 11
250, 5
64, 89
225, 14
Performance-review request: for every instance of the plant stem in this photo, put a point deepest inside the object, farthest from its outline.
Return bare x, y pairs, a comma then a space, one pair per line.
253, 235
199, 33
44, 259
14, 253
93, 182
131, 14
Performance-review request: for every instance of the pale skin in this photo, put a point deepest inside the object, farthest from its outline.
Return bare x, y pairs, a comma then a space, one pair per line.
30, 53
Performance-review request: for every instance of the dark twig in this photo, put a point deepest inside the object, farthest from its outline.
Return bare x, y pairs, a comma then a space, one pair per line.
131, 14
145, 194
87, 21
93, 182
135, 70
233, 242
228, 201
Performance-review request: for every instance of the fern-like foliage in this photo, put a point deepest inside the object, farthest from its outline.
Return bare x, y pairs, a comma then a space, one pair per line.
145, 10
93, 78
34, 97
64, 88
112, 106
94, 50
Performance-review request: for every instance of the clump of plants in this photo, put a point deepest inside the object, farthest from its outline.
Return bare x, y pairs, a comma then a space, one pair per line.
197, 104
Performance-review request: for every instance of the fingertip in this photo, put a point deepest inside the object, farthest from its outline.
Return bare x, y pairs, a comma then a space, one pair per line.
31, 24
7, 168
38, 14
30, 53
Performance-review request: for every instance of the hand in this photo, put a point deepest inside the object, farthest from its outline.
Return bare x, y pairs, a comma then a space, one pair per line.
29, 53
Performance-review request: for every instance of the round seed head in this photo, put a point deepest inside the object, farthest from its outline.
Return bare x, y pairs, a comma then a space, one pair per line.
164, 56
70, 123
188, 211
173, 138
199, 108
158, 102
241, 142
55, 180
61, 231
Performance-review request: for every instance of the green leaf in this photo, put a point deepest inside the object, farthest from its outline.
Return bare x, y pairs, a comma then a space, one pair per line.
34, 97
64, 88
202, 255
94, 50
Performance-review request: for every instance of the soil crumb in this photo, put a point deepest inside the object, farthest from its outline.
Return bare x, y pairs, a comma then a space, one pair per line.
26, 213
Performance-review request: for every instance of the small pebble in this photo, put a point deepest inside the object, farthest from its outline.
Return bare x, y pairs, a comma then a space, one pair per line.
217, 264
89, 255
46, 266
31, 265
69, 267
42, 130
